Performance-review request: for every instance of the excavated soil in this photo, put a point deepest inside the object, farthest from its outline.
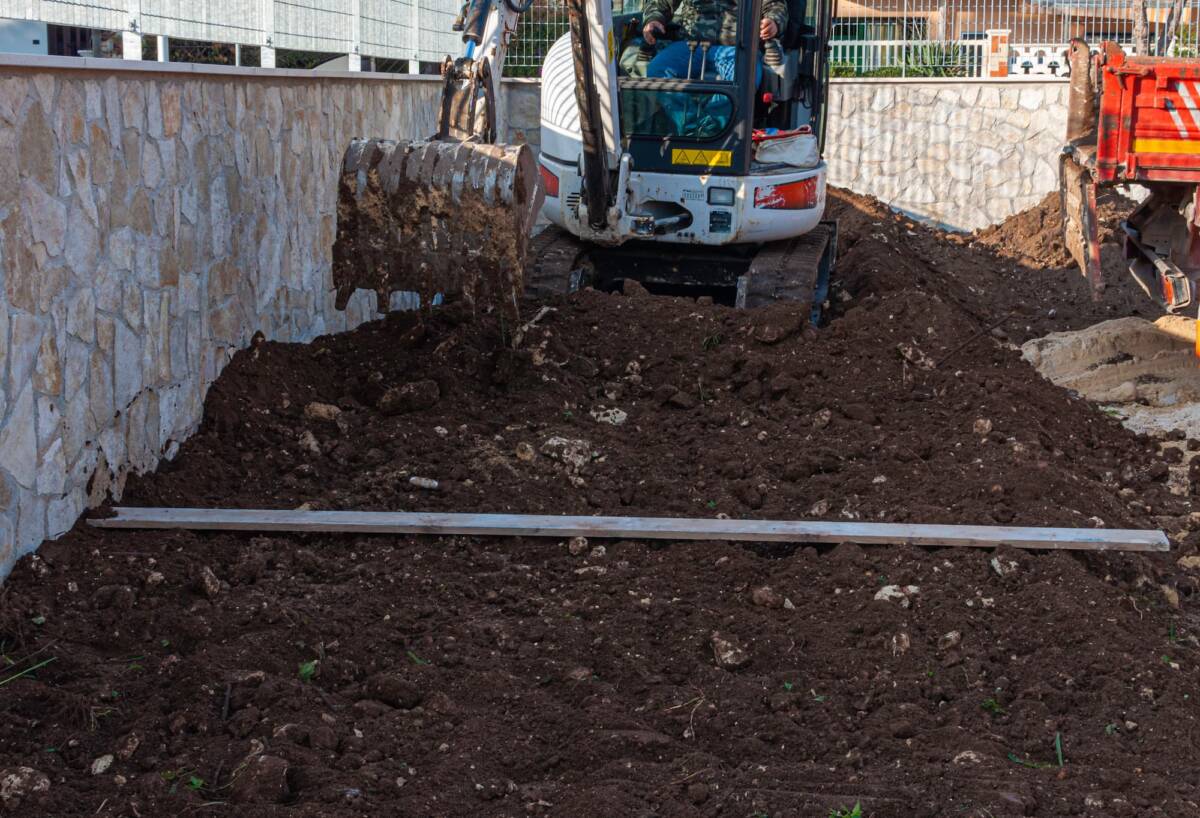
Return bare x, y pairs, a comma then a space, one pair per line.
352, 675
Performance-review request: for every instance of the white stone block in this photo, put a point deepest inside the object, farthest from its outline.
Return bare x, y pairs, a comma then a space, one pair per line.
128, 366
62, 512
23, 350
83, 243
81, 315
52, 472
47, 217
18, 440
152, 169
1031, 98
120, 250
31, 521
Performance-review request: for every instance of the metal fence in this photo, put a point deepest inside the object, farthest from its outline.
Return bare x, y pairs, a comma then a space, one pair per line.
935, 38
870, 38
383, 29
951, 37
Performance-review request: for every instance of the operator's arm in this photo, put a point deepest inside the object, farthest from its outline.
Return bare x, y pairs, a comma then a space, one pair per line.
655, 14
657, 11
774, 12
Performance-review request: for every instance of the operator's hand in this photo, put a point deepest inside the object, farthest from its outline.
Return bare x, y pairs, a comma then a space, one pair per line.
766, 29
649, 29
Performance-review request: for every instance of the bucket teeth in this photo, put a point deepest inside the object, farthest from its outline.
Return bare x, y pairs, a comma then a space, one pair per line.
435, 217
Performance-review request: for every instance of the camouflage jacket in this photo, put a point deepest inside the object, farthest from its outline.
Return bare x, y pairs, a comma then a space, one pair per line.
711, 20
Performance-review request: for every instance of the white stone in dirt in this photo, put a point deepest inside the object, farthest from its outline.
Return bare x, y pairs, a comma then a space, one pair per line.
308, 442
101, 764
982, 427
1003, 567
968, 757
18, 782
575, 453
902, 594
613, 417
577, 545
209, 582
727, 653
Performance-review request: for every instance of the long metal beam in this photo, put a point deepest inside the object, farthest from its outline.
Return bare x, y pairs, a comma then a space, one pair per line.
658, 528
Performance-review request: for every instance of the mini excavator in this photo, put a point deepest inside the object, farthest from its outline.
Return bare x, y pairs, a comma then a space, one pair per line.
687, 184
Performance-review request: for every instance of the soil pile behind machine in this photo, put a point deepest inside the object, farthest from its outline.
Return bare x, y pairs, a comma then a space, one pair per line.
1136, 120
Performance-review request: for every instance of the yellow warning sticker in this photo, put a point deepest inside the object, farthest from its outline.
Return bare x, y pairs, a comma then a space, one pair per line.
1177, 146
710, 159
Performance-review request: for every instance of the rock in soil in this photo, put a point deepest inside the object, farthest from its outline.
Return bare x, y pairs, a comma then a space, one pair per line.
727, 653
16, 784
410, 397
262, 780
765, 597
326, 412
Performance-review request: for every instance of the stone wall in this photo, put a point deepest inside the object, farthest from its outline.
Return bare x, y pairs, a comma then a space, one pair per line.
959, 154
151, 222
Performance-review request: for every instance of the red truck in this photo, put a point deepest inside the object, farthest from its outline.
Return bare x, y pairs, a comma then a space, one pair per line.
1136, 120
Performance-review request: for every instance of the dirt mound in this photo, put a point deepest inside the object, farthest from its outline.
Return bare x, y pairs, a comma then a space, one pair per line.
345, 675
1014, 274
1034, 236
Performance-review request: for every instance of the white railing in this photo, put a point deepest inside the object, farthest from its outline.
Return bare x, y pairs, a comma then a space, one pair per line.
388, 29
907, 58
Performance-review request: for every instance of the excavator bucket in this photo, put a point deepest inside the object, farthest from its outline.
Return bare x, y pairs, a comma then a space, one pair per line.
1077, 186
437, 217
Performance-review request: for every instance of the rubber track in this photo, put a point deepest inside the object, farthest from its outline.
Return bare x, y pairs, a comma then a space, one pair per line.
552, 256
784, 271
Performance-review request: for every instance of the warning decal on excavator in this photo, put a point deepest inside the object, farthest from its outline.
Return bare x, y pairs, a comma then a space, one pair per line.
1188, 146
712, 159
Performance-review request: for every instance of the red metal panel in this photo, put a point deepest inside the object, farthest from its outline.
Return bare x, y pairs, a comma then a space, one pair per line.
1149, 118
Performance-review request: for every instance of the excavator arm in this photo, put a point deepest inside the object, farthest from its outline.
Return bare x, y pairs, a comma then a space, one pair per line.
450, 215
596, 97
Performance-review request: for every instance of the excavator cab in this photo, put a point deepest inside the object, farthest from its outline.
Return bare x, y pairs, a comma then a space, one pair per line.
729, 171
789, 90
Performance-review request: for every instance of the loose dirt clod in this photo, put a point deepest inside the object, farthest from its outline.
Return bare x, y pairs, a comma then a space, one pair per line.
410, 397
764, 596
262, 780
